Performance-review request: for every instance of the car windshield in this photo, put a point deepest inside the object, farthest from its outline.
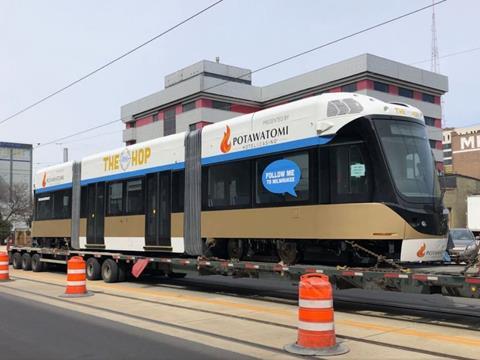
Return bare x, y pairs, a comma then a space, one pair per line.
459, 235
409, 158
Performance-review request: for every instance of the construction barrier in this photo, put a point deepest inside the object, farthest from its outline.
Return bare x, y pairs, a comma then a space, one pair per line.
316, 327
76, 278
4, 276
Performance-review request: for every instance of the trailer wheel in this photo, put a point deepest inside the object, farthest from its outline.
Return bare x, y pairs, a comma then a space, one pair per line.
122, 270
17, 260
26, 262
37, 265
109, 271
94, 269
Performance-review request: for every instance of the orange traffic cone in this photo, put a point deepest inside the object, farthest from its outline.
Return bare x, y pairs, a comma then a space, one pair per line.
76, 278
316, 328
4, 267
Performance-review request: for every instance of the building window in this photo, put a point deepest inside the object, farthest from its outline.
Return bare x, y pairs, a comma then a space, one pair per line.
349, 87
134, 201
429, 121
428, 98
169, 122
405, 92
229, 185
155, 117
188, 106
302, 188
115, 199
447, 161
433, 143
221, 105
447, 146
379, 86
133, 124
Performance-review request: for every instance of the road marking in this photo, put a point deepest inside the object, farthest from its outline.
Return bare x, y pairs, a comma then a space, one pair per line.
172, 295
409, 332
262, 309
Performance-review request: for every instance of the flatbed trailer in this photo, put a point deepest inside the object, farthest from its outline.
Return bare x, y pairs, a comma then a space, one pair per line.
446, 279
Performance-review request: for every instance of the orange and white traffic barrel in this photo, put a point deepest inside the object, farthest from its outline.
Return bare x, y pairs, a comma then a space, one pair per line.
4, 276
316, 327
76, 278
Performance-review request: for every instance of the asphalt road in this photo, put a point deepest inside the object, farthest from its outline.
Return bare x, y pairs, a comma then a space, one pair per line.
31, 330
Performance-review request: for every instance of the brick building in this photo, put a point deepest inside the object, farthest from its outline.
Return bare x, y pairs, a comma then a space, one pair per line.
461, 151
207, 92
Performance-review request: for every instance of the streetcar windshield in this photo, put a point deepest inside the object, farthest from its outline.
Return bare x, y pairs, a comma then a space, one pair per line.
409, 158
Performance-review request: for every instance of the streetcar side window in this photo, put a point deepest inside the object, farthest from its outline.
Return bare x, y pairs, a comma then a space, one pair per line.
62, 206
229, 185
134, 197
178, 191
350, 174
83, 202
115, 199
323, 176
274, 193
44, 206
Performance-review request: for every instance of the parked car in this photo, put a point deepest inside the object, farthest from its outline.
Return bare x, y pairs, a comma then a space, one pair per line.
462, 244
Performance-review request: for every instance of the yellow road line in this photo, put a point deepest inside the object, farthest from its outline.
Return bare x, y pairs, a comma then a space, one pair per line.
410, 332
169, 294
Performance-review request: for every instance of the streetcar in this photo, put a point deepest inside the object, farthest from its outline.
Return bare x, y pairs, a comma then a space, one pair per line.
300, 182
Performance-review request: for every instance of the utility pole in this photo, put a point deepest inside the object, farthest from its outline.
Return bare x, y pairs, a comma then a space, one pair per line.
65, 155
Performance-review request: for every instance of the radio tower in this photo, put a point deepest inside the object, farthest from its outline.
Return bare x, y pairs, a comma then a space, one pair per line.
434, 62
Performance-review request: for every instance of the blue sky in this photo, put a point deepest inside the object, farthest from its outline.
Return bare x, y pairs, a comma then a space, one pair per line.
46, 44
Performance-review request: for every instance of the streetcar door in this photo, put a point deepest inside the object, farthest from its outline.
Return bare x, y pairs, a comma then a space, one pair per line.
165, 201
95, 214
157, 232
151, 211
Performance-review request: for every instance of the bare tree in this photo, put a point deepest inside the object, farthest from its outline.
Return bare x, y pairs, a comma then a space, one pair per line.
15, 206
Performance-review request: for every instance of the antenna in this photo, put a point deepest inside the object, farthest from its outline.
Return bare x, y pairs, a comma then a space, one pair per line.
434, 61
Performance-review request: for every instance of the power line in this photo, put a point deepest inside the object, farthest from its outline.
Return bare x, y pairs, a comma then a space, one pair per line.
92, 137
466, 51
330, 43
77, 133
278, 62
109, 63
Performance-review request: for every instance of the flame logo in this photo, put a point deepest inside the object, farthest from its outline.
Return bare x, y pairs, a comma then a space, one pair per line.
421, 251
225, 145
44, 180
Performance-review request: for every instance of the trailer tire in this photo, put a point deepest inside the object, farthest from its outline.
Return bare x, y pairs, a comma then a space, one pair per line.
17, 260
26, 262
122, 271
109, 271
37, 265
94, 269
